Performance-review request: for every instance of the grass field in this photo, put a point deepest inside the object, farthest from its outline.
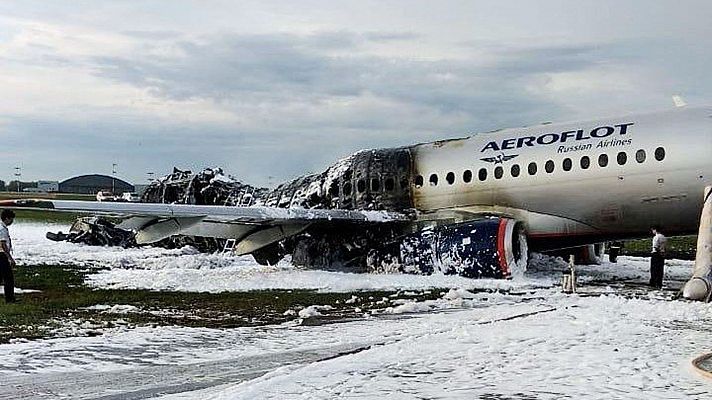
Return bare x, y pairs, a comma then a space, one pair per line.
54, 196
679, 247
63, 297
44, 215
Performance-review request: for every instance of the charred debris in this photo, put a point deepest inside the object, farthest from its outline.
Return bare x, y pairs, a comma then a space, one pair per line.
208, 187
368, 180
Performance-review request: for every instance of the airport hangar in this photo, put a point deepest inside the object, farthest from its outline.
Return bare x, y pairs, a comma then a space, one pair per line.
93, 183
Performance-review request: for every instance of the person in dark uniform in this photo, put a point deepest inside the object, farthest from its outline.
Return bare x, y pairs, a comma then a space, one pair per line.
7, 263
614, 250
657, 258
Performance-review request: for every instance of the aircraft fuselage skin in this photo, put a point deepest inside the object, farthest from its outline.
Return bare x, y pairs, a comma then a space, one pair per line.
574, 183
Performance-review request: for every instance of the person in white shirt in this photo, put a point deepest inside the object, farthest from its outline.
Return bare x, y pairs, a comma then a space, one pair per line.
7, 263
657, 258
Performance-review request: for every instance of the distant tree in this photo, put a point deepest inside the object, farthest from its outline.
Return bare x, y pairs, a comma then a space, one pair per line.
12, 186
2, 185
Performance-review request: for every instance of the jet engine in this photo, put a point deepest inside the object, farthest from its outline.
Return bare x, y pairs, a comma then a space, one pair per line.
488, 248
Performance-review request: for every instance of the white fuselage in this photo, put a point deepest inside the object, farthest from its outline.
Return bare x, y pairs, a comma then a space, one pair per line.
621, 199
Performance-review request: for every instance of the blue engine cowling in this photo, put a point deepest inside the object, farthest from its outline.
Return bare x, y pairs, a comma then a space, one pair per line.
487, 248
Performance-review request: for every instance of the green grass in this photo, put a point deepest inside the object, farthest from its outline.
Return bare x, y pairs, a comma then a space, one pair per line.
64, 294
45, 216
55, 196
679, 247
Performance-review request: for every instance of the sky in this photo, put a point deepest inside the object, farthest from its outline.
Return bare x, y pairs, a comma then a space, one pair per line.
270, 90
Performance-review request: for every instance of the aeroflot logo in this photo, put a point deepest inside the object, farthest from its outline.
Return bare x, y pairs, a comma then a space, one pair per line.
563, 137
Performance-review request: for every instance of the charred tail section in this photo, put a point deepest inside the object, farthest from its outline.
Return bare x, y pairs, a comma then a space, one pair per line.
207, 187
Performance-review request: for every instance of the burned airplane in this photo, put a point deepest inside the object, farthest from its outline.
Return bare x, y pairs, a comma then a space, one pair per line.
472, 206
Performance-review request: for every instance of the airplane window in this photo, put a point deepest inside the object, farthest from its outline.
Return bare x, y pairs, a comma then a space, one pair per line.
567, 164
585, 162
434, 180
389, 184
467, 176
498, 172
603, 160
482, 175
347, 189
450, 178
514, 171
361, 186
622, 158
659, 154
419, 181
532, 168
334, 189
640, 156
375, 185
549, 167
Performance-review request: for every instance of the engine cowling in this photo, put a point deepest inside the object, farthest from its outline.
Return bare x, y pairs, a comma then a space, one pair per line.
488, 248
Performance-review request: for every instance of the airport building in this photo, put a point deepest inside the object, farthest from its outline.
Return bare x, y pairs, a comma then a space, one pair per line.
48, 186
91, 184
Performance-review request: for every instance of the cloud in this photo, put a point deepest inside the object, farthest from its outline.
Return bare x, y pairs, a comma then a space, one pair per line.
279, 89
243, 98
284, 72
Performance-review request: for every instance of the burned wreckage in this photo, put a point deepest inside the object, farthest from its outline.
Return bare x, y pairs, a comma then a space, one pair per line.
208, 187
370, 181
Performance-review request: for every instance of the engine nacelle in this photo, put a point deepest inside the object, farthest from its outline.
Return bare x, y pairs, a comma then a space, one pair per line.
488, 248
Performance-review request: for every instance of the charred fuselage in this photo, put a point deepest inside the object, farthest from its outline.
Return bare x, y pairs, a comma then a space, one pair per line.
368, 180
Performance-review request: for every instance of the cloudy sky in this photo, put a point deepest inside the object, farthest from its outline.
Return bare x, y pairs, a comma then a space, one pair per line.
276, 89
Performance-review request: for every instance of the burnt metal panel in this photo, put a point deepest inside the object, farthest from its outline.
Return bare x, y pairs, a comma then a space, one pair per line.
380, 173
367, 180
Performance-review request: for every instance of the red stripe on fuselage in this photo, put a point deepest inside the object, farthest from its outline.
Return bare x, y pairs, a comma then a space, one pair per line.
501, 232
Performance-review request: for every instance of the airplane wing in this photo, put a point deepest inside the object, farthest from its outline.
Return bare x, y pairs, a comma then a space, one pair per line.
251, 227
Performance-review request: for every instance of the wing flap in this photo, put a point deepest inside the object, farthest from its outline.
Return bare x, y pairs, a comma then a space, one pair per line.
164, 228
267, 236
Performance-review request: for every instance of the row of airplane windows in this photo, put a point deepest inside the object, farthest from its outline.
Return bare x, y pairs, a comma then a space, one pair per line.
532, 168
389, 185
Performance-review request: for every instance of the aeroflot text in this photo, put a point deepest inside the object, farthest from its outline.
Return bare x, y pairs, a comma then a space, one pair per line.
551, 138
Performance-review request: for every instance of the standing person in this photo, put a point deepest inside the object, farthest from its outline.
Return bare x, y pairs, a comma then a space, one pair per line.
614, 251
657, 258
7, 263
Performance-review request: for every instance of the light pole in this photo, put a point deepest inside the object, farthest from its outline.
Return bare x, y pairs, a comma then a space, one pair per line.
113, 179
150, 176
18, 174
